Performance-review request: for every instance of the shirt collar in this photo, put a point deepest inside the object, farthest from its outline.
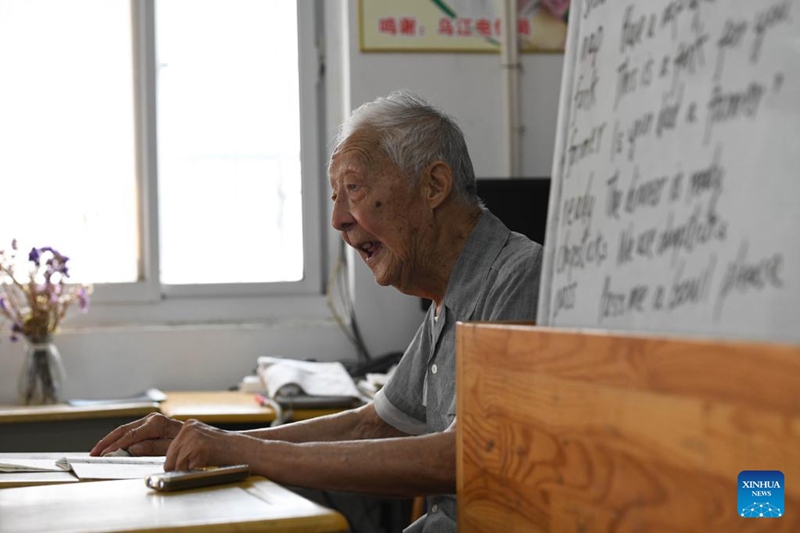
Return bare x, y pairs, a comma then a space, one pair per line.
472, 267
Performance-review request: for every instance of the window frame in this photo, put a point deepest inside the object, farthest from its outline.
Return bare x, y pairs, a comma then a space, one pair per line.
147, 300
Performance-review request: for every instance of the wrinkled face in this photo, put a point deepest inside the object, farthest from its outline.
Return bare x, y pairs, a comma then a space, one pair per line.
378, 212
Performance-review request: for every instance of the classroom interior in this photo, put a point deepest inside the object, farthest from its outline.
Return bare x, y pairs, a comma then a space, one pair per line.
161, 344
125, 345
598, 430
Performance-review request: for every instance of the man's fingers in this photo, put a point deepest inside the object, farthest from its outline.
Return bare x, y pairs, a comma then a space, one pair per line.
156, 427
181, 461
107, 442
150, 447
176, 447
172, 454
185, 451
130, 437
178, 455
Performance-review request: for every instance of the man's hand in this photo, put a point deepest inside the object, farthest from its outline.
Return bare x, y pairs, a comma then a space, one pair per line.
150, 435
198, 445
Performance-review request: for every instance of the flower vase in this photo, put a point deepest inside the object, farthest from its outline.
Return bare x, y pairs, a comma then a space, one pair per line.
42, 374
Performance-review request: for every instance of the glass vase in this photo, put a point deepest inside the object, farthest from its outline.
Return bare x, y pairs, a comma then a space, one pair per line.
42, 374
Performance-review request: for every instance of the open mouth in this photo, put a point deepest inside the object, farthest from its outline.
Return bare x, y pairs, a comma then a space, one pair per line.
370, 249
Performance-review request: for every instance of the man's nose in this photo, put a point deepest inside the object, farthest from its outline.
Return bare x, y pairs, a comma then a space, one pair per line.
341, 219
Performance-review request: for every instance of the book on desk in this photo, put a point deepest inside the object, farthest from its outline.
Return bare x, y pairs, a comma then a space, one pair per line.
294, 384
82, 466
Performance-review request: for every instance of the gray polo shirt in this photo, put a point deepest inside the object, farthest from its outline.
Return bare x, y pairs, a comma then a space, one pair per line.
496, 277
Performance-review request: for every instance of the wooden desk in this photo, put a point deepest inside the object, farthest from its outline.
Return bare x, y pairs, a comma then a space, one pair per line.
255, 504
227, 408
10, 414
62, 427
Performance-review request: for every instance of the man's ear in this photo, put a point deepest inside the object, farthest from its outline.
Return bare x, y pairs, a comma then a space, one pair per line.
439, 183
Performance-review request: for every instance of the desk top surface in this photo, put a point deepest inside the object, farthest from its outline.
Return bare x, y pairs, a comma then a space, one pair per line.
225, 407
255, 504
216, 407
60, 412
212, 407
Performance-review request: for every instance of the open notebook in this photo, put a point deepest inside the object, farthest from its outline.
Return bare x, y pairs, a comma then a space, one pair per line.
86, 467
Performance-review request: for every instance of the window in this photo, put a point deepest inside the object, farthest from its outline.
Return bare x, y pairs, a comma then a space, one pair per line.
67, 136
228, 141
158, 143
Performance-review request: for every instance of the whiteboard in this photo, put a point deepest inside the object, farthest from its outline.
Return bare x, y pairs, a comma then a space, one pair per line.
675, 202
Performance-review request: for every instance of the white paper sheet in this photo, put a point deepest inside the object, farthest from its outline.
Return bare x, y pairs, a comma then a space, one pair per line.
86, 467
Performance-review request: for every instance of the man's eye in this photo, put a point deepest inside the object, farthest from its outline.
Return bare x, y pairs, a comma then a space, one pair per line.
352, 187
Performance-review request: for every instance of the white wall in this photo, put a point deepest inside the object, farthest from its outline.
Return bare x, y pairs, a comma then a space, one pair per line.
122, 361
117, 361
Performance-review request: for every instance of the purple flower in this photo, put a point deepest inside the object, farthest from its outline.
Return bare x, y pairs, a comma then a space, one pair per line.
83, 299
56, 254
3, 305
56, 262
34, 256
14, 244
15, 328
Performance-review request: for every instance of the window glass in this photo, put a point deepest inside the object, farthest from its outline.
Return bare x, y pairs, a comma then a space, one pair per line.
67, 145
229, 180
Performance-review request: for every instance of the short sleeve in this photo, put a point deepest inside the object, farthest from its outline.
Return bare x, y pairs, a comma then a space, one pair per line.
399, 402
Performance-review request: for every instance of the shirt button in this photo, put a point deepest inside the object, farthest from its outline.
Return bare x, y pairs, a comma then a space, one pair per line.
434, 368
434, 508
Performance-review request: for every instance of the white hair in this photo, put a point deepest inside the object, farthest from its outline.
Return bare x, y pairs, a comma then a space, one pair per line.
413, 134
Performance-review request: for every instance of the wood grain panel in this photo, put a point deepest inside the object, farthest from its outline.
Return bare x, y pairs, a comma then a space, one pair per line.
571, 431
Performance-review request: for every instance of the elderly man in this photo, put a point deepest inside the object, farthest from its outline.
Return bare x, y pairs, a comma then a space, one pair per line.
403, 192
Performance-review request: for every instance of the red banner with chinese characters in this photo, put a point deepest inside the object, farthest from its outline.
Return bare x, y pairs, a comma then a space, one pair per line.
459, 25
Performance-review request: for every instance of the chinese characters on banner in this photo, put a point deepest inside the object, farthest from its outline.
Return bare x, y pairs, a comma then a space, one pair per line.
459, 25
